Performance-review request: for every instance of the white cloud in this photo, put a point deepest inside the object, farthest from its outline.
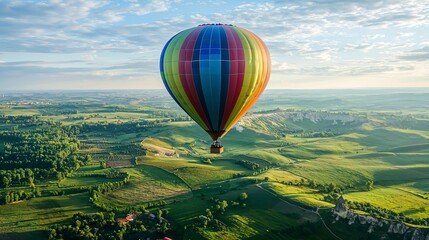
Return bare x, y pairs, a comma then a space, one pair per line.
307, 40
91, 56
421, 54
152, 6
406, 34
284, 66
376, 36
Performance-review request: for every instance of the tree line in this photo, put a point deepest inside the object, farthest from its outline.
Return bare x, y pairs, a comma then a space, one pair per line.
211, 218
43, 149
106, 226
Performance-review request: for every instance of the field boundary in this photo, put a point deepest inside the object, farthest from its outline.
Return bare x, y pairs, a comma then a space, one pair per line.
259, 185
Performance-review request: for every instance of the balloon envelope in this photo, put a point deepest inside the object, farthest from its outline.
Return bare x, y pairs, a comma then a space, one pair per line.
216, 73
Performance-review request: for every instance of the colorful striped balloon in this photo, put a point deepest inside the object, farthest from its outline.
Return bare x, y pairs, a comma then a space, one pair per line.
215, 72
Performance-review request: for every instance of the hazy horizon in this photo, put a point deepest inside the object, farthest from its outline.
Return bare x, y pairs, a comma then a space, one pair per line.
337, 91
268, 89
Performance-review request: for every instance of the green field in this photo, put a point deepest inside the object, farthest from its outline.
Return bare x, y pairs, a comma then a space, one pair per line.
193, 172
264, 216
411, 203
302, 195
147, 184
28, 219
293, 151
77, 181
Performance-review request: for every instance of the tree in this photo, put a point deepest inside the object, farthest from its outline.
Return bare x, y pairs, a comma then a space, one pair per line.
159, 214
223, 205
311, 183
78, 223
87, 158
164, 227
331, 187
7, 198
103, 164
369, 185
6, 181
243, 196
37, 192
209, 214
59, 176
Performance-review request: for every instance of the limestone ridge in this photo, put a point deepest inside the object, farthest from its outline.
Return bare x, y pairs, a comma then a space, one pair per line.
340, 211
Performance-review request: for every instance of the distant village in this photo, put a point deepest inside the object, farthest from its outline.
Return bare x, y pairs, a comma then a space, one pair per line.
150, 216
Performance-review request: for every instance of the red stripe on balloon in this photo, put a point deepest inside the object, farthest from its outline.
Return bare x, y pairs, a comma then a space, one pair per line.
185, 72
236, 77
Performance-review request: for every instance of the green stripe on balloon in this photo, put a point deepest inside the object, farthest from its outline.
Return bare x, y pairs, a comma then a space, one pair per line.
172, 77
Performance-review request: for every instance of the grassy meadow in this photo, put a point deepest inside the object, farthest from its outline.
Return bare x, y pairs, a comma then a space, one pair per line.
30, 219
371, 147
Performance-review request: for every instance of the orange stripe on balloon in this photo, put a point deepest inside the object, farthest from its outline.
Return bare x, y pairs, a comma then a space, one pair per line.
264, 75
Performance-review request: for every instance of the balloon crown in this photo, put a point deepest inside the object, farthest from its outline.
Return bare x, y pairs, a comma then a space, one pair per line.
216, 24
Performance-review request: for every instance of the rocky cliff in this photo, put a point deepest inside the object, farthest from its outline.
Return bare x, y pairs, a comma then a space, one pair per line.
341, 212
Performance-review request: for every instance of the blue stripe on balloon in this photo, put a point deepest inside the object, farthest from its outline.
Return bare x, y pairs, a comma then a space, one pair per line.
225, 74
196, 73
161, 67
215, 76
205, 74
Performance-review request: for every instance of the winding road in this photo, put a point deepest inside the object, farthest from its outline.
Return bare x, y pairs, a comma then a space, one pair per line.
259, 185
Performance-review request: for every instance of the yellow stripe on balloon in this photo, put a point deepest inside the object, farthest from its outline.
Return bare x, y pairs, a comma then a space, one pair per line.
246, 79
261, 59
255, 81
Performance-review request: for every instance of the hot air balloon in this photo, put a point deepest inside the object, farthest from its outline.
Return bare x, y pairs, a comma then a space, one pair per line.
216, 73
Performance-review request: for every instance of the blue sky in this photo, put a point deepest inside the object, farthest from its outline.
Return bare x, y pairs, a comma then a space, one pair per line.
84, 44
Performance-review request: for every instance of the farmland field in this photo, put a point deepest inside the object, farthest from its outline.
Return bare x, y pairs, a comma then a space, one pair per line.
28, 219
293, 155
